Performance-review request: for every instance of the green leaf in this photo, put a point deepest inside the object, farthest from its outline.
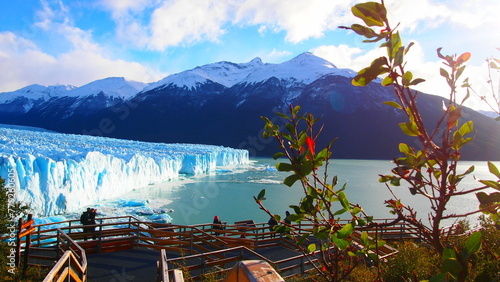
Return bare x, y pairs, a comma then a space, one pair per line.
387, 81
284, 167
345, 231
356, 210
278, 155
491, 183
486, 199
407, 77
307, 204
295, 110
473, 244
405, 149
469, 170
343, 201
364, 238
393, 104
466, 128
373, 257
367, 75
311, 248
452, 266
290, 180
409, 128
262, 195
340, 242
459, 72
409, 46
306, 168
493, 169
323, 154
372, 13
341, 211
363, 30
416, 81
384, 178
395, 181
282, 115
302, 238
296, 217
282, 229
449, 253
444, 73
399, 57
277, 217
321, 233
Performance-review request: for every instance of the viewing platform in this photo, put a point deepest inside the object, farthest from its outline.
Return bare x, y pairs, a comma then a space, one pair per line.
127, 249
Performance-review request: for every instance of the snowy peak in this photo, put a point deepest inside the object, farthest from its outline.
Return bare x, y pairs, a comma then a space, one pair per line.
307, 59
303, 69
117, 87
36, 92
224, 73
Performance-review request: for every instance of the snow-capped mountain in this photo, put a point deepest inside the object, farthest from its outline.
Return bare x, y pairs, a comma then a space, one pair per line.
224, 73
36, 92
117, 87
221, 104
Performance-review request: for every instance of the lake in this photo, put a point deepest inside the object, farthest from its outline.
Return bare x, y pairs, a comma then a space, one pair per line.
229, 193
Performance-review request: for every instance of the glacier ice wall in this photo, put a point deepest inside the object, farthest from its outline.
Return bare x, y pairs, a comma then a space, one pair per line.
57, 173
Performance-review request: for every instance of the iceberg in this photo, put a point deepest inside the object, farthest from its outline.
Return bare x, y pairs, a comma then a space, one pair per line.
58, 173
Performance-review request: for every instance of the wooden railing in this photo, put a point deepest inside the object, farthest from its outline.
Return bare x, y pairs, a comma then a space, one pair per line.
73, 262
197, 241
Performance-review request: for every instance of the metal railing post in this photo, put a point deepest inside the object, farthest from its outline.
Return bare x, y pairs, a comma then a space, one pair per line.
302, 266
38, 235
57, 245
191, 242
203, 265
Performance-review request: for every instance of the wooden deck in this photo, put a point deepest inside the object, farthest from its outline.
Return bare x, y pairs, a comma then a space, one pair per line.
126, 248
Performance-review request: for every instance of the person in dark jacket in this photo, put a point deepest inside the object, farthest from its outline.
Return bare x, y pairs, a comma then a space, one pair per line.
272, 222
92, 221
85, 220
217, 225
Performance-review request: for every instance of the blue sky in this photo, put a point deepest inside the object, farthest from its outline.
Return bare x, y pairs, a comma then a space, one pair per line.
75, 42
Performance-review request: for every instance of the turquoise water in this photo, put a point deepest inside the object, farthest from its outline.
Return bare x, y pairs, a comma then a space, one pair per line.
229, 193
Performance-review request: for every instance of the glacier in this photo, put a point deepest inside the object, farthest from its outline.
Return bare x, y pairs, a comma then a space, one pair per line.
58, 173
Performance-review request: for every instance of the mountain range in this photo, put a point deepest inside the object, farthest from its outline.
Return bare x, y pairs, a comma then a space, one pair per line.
221, 104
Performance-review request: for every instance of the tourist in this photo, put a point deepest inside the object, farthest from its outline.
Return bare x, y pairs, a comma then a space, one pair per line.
217, 225
85, 220
272, 222
92, 221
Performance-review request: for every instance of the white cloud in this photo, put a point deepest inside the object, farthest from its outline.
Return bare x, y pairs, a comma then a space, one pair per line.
83, 61
123, 6
276, 54
300, 20
27, 64
413, 15
179, 22
343, 56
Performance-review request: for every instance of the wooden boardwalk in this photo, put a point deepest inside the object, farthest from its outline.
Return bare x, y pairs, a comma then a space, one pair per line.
127, 249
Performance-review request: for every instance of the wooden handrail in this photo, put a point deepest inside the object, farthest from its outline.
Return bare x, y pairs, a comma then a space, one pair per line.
163, 267
68, 264
183, 238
